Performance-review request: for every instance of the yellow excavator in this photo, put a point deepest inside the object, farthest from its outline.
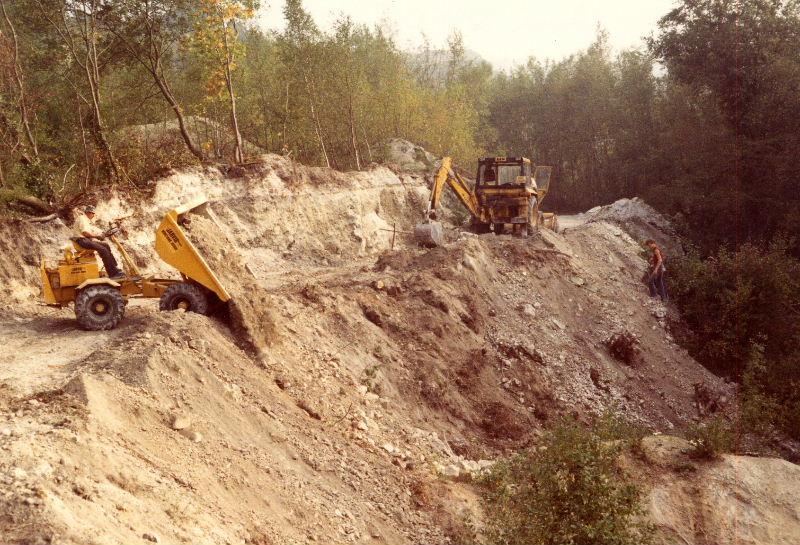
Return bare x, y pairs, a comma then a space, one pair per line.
100, 301
507, 194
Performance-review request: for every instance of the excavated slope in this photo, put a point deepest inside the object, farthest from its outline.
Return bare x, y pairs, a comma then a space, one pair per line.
382, 370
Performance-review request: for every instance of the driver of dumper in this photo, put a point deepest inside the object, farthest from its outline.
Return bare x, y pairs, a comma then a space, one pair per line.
88, 236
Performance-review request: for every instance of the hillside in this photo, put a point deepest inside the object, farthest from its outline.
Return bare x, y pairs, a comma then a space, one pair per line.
390, 371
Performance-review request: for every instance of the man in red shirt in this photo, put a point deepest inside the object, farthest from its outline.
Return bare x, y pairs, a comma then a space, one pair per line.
655, 278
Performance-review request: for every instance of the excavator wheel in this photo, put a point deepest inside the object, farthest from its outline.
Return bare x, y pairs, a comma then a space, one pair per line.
99, 307
186, 296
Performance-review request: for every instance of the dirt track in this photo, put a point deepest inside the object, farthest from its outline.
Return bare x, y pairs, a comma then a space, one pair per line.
386, 368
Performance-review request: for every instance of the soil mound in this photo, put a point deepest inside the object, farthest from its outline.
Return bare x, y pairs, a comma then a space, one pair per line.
640, 220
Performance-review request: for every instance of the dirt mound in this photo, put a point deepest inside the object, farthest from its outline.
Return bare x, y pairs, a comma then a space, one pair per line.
640, 220
250, 308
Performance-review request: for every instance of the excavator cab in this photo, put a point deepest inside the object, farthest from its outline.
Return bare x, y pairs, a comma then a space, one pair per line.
504, 172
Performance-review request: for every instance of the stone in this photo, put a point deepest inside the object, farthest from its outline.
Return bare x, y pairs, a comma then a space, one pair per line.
529, 310
5, 432
19, 474
577, 280
150, 537
180, 422
451, 470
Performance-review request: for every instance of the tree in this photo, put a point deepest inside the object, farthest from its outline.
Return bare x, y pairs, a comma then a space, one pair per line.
150, 32
78, 23
216, 36
300, 51
19, 80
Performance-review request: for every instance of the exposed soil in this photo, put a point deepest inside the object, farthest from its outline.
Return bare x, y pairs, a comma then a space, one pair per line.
359, 371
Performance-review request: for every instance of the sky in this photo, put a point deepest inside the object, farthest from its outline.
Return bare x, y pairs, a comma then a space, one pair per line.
505, 32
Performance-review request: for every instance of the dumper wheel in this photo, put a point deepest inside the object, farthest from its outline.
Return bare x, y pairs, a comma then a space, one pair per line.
189, 297
99, 308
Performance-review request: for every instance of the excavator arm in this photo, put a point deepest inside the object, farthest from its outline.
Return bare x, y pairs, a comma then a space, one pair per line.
430, 232
446, 175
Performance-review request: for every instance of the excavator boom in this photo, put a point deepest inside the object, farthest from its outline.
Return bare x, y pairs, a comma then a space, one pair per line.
446, 175
430, 232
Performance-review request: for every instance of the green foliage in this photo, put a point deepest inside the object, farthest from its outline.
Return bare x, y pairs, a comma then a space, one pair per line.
742, 308
569, 490
711, 439
737, 298
771, 394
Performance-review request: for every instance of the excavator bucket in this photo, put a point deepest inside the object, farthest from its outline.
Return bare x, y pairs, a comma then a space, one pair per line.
175, 248
429, 234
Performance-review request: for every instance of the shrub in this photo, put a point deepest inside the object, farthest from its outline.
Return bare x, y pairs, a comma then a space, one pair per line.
567, 491
736, 298
771, 394
710, 440
624, 347
742, 309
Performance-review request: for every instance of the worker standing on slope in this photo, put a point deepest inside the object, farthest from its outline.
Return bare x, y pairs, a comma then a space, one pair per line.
655, 277
87, 236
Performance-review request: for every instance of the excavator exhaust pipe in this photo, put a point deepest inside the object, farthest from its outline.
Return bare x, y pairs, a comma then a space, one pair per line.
429, 234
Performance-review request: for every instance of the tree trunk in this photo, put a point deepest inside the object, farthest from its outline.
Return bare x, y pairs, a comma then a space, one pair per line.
20, 82
315, 118
239, 152
28, 200
366, 142
351, 116
176, 107
285, 116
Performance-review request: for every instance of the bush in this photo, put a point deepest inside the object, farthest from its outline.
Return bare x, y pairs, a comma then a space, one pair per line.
736, 298
624, 347
742, 309
771, 394
568, 491
710, 440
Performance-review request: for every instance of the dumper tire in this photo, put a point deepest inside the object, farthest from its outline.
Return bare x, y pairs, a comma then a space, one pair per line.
189, 297
99, 308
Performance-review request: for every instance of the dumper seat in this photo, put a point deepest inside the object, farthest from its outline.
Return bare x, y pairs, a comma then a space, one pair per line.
75, 253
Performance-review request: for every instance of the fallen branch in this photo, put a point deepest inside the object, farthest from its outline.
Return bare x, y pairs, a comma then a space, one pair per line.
30, 201
43, 219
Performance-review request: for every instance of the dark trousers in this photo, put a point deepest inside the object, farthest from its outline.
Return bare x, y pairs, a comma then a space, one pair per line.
109, 261
657, 285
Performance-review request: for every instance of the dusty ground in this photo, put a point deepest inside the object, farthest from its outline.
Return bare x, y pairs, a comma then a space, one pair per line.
389, 370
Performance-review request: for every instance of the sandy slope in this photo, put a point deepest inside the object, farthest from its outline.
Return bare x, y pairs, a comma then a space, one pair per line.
384, 369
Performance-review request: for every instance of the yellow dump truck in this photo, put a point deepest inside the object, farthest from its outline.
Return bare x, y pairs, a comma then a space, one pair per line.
100, 301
